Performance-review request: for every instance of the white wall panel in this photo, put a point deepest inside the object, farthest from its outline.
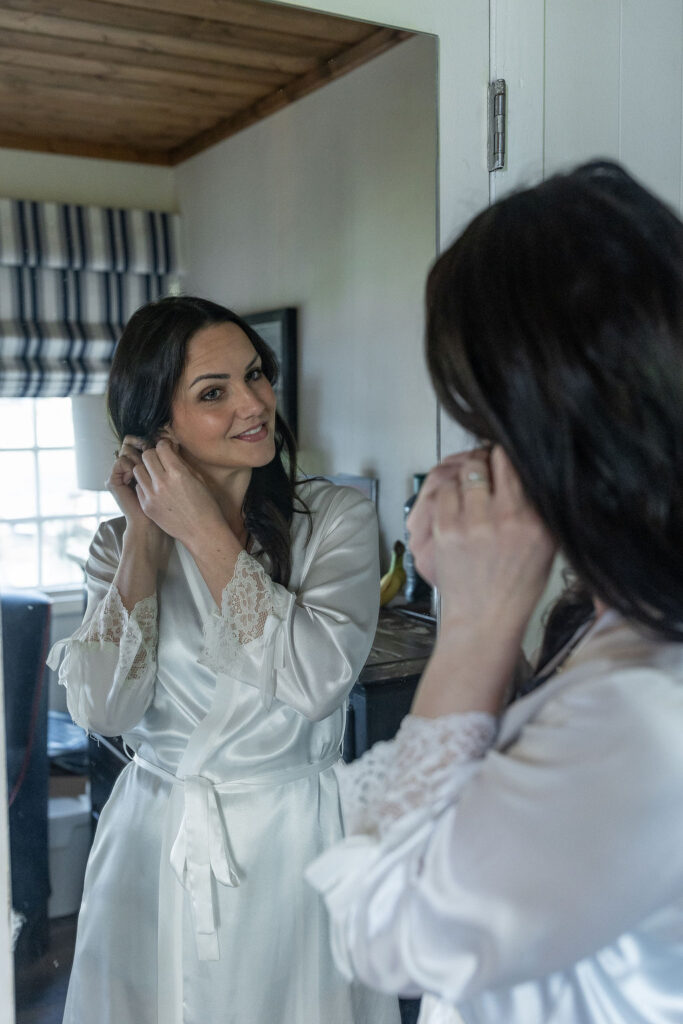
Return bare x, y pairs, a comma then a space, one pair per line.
650, 110
582, 74
517, 55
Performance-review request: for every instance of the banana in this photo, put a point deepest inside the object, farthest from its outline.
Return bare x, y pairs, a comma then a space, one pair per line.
394, 580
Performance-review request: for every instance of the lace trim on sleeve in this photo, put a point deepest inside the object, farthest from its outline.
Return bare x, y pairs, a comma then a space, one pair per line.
249, 598
135, 633
415, 770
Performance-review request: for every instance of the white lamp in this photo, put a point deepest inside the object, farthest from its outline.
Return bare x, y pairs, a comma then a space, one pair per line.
94, 441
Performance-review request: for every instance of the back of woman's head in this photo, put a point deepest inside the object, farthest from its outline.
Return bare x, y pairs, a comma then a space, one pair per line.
555, 328
146, 368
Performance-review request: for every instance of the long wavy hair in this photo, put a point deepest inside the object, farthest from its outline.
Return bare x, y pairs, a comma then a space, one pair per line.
555, 328
147, 365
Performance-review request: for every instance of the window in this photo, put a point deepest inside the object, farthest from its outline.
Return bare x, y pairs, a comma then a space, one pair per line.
46, 521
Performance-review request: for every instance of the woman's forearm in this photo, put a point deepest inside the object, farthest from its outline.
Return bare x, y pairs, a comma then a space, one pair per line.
142, 557
470, 670
215, 552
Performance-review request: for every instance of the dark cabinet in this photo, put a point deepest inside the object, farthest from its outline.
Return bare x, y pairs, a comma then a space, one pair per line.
25, 616
384, 692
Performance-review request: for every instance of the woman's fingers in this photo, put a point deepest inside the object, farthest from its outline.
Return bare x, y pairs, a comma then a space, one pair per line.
506, 482
123, 468
153, 464
143, 480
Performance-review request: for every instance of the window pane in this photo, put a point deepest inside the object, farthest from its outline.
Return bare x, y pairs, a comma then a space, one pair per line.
16, 423
65, 549
53, 423
59, 493
18, 490
19, 554
108, 506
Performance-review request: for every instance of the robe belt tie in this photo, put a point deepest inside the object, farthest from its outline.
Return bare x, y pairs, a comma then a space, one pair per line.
201, 849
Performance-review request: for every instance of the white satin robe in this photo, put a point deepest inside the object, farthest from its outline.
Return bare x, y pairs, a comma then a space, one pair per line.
538, 882
195, 909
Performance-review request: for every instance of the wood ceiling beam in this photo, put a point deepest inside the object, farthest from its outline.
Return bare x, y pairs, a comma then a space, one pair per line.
148, 42
44, 106
347, 60
159, 23
101, 58
24, 81
254, 15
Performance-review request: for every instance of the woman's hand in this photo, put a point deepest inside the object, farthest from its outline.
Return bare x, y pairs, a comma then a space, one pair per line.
140, 529
173, 495
474, 536
420, 522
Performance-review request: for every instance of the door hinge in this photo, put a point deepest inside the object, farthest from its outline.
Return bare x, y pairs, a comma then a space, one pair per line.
497, 124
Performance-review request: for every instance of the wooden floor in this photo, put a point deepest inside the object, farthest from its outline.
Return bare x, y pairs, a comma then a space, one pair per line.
40, 988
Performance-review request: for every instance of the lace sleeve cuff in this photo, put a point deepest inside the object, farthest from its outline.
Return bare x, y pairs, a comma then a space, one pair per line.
251, 607
416, 770
134, 633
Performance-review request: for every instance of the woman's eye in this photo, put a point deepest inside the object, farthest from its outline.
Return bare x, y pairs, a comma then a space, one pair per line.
211, 395
255, 374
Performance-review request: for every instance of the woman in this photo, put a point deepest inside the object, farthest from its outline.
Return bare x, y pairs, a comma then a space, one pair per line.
229, 612
525, 865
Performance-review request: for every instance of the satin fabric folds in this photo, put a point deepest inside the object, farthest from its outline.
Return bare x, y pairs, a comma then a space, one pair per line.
195, 910
543, 882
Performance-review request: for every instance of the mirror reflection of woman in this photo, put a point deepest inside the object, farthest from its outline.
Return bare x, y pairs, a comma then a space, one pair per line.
229, 612
524, 864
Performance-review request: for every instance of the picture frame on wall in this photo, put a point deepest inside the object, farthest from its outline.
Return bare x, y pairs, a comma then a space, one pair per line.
278, 328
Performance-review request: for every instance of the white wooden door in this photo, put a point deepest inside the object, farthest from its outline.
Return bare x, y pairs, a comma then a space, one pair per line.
592, 78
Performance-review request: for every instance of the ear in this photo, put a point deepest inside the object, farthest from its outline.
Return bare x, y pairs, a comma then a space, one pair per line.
167, 433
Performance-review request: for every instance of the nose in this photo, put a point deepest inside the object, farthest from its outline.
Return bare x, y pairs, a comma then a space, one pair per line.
249, 404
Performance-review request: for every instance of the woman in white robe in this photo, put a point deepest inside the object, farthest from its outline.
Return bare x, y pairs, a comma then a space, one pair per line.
525, 865
228, 687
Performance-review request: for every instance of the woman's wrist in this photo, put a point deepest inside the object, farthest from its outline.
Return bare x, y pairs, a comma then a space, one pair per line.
147, 545
215, 550
469, 670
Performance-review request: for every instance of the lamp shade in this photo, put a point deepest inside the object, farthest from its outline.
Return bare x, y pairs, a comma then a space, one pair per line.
94, 441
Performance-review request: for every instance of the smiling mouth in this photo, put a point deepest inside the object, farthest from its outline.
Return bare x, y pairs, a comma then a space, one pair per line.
254, 434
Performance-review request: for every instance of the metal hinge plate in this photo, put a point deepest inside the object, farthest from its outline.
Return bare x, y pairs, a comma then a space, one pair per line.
497, 125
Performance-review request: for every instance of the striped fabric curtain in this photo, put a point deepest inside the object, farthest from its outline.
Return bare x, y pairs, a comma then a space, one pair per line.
70, 277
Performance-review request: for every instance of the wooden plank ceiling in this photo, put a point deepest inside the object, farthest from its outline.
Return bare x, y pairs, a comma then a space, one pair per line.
156, 81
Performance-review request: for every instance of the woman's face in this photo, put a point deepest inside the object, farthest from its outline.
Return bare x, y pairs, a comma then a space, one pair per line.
223, 411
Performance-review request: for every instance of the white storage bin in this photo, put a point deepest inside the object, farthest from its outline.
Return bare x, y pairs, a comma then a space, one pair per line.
70, 834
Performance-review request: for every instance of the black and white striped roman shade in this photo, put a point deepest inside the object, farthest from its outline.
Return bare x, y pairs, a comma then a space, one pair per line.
70, 277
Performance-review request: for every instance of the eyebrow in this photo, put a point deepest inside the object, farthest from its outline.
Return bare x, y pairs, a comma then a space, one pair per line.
222, 376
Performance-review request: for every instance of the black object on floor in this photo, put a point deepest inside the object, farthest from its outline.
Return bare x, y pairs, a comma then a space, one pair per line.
40, 987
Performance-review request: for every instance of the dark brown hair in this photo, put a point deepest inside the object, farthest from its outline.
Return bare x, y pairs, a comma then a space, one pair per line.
147, 365
555, 328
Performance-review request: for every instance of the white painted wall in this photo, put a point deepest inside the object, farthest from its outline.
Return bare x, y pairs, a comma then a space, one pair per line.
462, 28
590, 79
330, 206
614, 87
47, 177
